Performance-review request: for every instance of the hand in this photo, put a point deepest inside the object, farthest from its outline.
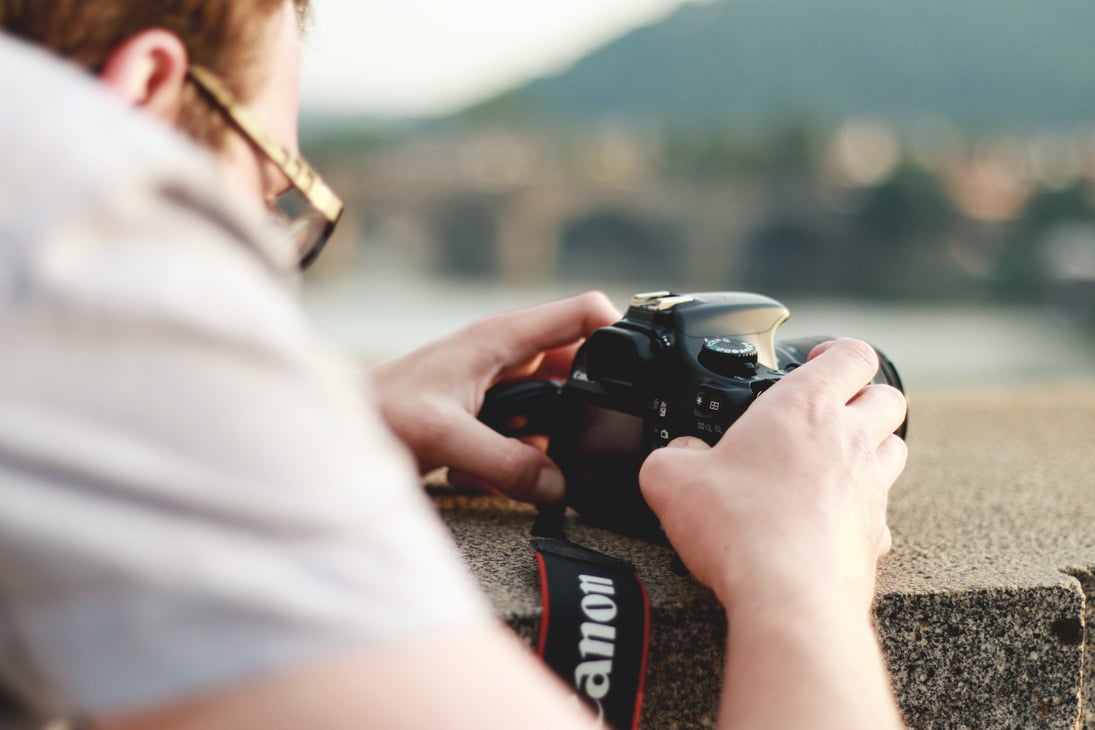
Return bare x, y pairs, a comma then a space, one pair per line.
430, 398
792, 499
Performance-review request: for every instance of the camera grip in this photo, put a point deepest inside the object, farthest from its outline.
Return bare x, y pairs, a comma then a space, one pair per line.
522, 409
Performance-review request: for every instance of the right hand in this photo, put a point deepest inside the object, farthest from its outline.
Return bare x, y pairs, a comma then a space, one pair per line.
791, 502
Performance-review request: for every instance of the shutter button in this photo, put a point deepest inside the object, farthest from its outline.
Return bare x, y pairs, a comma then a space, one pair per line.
727, 356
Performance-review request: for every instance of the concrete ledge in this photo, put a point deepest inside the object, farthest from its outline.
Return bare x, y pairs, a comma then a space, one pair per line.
981, 605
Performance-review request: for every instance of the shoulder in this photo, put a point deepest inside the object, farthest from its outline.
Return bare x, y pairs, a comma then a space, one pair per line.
61, 127
199, 491
75, 154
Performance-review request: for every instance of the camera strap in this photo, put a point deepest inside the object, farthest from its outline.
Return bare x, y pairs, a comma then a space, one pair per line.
595, 628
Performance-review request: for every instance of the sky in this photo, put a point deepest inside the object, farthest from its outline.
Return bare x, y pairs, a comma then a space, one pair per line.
393, 58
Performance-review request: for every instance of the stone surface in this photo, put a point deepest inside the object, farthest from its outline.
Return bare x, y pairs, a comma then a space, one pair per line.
981, 604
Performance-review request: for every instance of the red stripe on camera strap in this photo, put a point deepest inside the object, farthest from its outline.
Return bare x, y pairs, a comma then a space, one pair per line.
595, 628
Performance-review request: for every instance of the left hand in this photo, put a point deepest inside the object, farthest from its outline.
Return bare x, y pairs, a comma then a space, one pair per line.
431, 397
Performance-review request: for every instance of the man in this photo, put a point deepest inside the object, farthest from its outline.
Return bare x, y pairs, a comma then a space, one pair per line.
205, 525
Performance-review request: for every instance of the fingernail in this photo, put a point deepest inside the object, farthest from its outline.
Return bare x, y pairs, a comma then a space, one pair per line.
550, 486
687, 442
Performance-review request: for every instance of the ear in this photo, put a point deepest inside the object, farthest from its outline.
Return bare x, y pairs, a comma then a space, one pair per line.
148, 70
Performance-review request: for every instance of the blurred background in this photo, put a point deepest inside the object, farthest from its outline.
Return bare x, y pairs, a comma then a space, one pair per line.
921, 175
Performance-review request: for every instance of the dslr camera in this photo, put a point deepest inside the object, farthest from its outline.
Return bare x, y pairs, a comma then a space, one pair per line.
675, 365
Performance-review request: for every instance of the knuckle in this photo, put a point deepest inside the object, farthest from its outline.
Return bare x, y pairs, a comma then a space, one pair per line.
595, 299
493, 340
486, 327
597, 305
803, 403
862, 444
903, 447
433, 430
899, 446
894, 405
481, 329
901, 403
860, 352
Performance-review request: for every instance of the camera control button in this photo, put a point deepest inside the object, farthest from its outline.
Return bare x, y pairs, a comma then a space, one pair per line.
661, 408
727, 356
660, 436
711, 402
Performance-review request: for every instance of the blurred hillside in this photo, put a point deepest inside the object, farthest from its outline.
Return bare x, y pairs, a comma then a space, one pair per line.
925, 151
982, 64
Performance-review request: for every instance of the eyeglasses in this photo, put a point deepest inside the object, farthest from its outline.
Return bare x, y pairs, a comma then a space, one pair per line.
311, 209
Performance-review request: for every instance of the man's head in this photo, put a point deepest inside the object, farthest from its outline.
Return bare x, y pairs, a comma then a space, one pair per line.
145, 51
225, 36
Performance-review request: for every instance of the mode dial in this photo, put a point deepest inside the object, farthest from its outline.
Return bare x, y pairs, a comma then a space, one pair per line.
727, 356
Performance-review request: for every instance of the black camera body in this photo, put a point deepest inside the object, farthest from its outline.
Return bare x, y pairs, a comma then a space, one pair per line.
675, 365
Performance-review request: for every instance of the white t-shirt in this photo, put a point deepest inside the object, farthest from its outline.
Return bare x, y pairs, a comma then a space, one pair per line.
193, 490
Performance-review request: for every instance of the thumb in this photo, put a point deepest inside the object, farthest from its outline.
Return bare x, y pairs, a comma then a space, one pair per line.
662, 470
688, 442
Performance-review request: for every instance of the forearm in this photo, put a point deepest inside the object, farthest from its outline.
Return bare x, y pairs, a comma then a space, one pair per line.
479, 679
819, 667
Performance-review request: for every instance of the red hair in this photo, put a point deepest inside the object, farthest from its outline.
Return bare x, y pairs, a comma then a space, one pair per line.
221, 35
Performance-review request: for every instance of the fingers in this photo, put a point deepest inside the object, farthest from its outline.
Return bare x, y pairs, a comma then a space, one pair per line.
468, 483
476, 454
837, 370
882, 409
886, 542
892, 455
819, 348
551, 364
521, 335
523, 370
557, 362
